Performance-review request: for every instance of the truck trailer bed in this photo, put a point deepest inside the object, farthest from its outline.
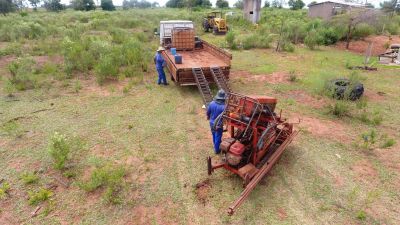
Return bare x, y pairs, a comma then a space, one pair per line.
205, 58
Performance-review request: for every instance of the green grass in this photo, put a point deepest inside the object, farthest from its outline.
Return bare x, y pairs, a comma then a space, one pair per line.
143, 146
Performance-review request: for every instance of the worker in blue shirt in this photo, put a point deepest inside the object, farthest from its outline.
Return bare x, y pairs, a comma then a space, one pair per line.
160, 63
216, 108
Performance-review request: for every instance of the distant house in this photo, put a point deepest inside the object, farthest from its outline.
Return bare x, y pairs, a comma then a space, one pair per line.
326, 10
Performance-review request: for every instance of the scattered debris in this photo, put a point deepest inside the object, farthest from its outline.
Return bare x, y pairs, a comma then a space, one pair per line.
202, 190
35, 212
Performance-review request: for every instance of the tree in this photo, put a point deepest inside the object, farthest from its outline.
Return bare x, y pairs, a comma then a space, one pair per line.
296, 4
53, 5
83, 5
312, 3
276, 4
266, 4
143, 4
205, 3
6, 6
107, 5
175, 4
369, 5
391, 6
222, 4
238, 4
155, 5
34, 4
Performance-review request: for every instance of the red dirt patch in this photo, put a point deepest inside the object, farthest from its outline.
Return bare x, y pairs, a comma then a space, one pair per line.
322, 128
374, 96
360, 46
282, 214
4, 61
151, 214
202, 190
364, 170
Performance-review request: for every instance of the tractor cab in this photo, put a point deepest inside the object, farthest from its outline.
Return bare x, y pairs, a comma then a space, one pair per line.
214, 21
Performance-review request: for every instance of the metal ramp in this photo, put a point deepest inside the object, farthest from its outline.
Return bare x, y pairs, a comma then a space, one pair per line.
203, 85
220, 79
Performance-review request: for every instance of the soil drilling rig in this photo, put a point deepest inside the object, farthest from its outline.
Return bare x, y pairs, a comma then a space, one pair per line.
258, 137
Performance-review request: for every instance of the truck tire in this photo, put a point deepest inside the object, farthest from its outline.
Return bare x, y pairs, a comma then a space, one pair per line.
215, 30
343, 89
206, 26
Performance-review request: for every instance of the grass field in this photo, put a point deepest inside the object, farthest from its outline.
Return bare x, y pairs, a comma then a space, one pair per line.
137, 150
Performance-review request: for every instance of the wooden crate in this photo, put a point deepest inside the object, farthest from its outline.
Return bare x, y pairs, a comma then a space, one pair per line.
183, 38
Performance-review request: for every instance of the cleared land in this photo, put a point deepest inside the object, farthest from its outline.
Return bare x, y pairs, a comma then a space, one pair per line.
160, 137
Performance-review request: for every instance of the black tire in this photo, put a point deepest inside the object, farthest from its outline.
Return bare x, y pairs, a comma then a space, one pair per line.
344, 89
215, 30
206, 26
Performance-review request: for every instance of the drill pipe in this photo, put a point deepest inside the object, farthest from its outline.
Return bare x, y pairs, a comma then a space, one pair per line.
263, 171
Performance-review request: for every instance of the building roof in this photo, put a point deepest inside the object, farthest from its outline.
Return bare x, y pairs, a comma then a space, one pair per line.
341, 3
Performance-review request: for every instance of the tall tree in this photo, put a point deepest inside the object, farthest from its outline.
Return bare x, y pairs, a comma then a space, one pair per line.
53, 5
296, 4
34, 4
107, 5
276, 4
6, 6
266, 4
391, 6
83, 5
222, 4
238, 4
175, 4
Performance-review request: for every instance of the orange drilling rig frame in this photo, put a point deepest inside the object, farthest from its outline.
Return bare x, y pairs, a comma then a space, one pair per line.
258, 137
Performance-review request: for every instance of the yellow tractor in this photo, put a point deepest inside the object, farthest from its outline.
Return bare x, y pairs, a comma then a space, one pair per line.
215, 22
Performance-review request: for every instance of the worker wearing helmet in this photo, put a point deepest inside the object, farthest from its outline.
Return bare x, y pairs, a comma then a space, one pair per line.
160, 63
216, 108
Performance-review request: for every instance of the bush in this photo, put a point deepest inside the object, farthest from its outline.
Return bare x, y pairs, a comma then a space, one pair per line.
29, 178
108, 176
313, 39
363, 30
40, 196
388, 143
107, 66
230, 39
59, 150
339, 109
22, 74
361, 215
330, 36
4, 188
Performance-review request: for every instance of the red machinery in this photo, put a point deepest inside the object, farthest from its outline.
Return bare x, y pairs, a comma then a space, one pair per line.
257, 139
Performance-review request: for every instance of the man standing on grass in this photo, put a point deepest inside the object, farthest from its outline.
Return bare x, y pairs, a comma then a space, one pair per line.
215, 109
160, 63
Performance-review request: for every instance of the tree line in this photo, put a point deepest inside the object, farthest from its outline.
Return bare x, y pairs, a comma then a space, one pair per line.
7, 6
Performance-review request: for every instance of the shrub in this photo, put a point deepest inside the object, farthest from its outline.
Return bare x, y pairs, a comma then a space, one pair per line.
59, 150
108, 176
230, 39
107, 66
40, 196
4, 188
388, 143
330, 36
77, 86
29, 178
292, 76
250, 42
361, 215
339, 109
313, 39
369, 138
22, 77
362, 30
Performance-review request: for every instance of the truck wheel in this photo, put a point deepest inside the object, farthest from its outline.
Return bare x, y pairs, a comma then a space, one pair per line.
215, 30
